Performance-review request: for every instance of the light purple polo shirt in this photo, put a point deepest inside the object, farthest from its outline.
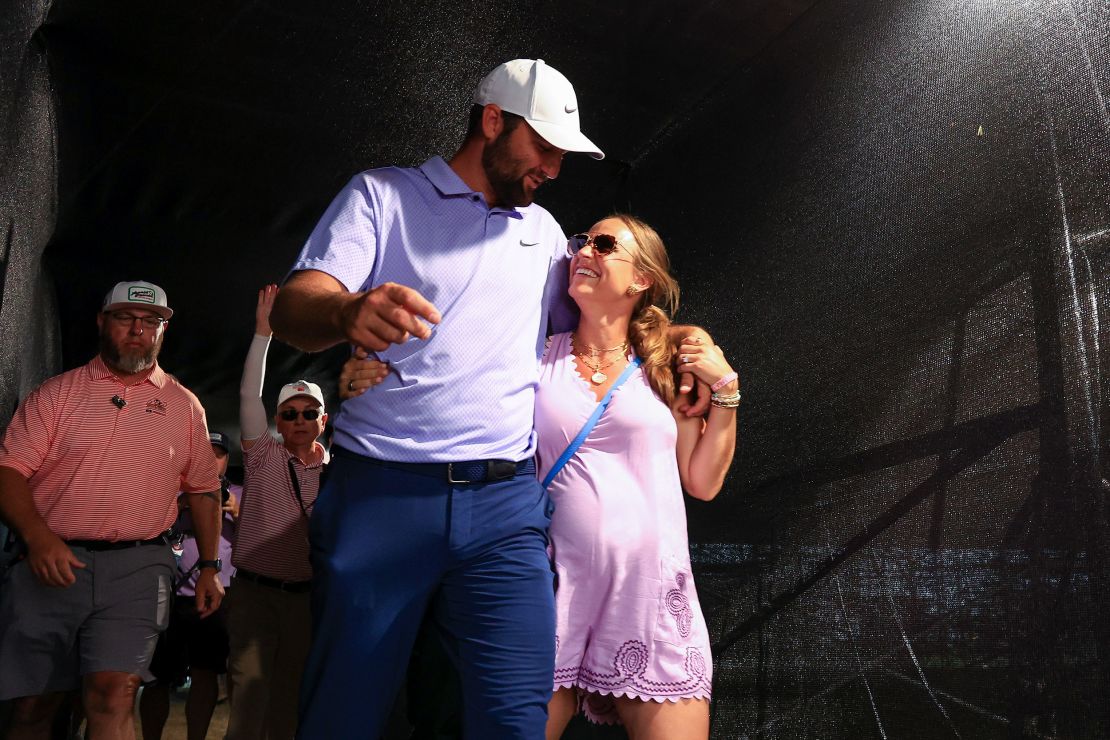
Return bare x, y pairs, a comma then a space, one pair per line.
466, 393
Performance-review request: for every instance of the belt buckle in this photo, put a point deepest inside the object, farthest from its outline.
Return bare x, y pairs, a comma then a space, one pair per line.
451, 475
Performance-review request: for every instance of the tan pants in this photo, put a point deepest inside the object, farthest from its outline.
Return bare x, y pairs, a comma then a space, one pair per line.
269, 632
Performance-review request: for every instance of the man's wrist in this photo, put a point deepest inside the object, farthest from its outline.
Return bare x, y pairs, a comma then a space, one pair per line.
215, 565
35, 536
345, 313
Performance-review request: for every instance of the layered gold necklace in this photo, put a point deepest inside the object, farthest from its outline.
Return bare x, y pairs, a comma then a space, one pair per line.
593, 360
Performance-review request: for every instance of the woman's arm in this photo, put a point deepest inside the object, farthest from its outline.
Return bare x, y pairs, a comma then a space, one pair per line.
252, 413
706, 446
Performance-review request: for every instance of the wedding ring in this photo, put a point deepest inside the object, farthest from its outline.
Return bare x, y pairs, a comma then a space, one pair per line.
351, 385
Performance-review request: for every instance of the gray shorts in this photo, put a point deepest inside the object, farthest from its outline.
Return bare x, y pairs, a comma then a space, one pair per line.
108, 620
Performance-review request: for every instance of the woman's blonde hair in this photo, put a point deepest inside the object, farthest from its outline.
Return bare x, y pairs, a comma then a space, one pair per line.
648, 331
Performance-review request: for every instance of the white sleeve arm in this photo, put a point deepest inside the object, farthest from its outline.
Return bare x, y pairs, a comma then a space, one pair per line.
252, 413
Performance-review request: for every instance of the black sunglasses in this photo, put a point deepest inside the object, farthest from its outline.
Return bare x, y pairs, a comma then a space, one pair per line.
603, 244
292, 414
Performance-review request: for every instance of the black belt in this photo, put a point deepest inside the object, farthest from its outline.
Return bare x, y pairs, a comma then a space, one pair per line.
101, 545
293, 587
469, 471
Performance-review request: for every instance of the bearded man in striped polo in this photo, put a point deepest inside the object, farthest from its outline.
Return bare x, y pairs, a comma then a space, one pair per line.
90, 470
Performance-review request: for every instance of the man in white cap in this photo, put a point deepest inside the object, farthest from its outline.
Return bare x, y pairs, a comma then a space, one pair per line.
432, 501
269, 619
90, 470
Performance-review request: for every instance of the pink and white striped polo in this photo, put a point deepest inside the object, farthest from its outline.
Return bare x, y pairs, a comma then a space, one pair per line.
272, 539
106, 460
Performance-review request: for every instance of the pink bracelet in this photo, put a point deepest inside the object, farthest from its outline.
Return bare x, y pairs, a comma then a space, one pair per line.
723, 382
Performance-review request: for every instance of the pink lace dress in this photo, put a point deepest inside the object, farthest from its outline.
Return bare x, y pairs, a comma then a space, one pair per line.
628, 622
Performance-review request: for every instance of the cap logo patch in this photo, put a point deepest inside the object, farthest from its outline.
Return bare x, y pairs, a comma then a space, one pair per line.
140, 295
570, 107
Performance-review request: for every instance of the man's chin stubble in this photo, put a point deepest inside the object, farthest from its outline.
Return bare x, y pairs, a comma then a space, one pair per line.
134, 364
130, 364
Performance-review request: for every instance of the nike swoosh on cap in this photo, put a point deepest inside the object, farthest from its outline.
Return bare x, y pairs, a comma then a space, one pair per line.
527, 244
570, 108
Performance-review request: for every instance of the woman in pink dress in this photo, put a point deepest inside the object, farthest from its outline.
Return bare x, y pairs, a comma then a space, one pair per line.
631, 641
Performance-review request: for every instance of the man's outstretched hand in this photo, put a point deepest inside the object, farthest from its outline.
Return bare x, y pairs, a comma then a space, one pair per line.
314, 311
385, 315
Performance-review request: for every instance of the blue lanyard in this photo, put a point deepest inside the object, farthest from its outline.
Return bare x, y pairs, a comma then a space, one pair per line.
572, 448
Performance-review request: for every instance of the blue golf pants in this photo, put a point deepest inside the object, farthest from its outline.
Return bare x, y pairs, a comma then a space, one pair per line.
387, 545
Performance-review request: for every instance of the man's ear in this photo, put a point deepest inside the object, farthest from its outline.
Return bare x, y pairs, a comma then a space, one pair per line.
493, 123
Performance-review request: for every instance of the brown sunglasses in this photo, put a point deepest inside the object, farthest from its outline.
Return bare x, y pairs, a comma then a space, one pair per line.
603, 244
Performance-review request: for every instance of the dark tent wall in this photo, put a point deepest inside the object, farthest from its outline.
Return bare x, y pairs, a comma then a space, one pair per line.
29, 352
906, 218
893, 215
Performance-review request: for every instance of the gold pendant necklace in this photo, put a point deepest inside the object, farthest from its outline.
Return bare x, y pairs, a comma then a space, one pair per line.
599, 377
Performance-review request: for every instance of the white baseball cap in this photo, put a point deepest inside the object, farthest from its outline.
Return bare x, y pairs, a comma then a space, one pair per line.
301, 388
139, 294
543, 97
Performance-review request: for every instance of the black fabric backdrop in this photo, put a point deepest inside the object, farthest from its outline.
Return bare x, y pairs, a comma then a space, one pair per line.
893, 215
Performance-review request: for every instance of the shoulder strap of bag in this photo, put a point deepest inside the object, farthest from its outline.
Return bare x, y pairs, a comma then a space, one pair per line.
572, 448
297, 489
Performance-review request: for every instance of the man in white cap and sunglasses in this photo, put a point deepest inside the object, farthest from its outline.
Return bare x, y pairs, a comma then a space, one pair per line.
431, 500
90, 470
269, 619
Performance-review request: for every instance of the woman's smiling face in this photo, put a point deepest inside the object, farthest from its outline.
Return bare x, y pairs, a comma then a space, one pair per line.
597, 279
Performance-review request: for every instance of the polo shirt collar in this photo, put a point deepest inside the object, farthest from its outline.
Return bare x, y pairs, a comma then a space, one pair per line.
448, 183
317, 447
98, 370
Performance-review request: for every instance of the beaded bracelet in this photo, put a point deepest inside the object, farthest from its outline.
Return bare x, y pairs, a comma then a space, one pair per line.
730, 401
725, 380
